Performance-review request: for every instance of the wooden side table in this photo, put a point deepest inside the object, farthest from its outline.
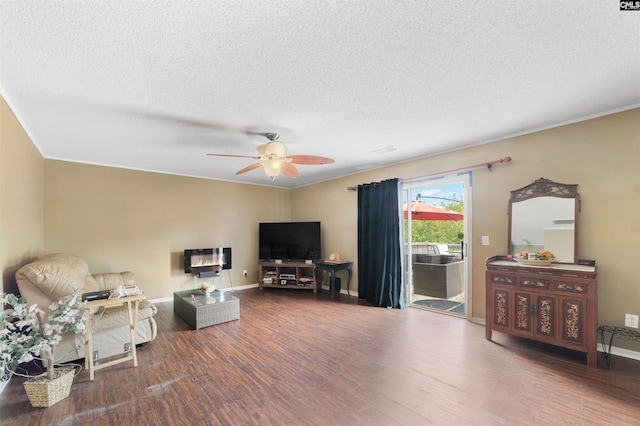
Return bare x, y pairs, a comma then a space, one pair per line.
88, 339
332, 268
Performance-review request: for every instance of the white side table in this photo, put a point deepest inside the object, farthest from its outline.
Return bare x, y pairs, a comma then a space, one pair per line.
88, 340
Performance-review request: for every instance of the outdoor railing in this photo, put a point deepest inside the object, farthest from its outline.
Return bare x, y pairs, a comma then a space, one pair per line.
434, 248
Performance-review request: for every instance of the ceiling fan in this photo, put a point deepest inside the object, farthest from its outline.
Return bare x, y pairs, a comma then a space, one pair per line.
273, 158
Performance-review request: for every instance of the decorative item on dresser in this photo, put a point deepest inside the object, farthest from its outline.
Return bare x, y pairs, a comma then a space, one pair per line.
540, 290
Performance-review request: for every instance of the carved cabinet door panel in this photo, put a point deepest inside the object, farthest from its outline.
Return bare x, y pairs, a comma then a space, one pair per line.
546, 316
524, 311
573, 320
501, 303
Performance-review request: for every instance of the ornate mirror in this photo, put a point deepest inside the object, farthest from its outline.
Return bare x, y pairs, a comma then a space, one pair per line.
544, 216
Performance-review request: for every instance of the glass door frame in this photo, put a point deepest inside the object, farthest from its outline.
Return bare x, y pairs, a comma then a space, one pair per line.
466, 180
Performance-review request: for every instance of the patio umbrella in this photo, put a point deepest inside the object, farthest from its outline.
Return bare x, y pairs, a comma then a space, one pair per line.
424, 211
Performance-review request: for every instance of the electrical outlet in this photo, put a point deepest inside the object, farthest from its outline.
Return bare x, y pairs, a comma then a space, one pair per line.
485, 240
631, 321
244, 272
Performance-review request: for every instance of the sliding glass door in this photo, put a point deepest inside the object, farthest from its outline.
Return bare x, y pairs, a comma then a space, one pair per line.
436, 219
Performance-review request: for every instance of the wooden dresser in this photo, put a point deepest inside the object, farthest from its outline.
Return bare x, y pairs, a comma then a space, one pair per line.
555, 304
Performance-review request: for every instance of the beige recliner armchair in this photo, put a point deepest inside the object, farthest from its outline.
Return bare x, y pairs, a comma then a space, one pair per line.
54, 276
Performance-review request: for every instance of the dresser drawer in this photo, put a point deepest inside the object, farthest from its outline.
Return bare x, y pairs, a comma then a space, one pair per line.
570, 286
502, 278
534, 283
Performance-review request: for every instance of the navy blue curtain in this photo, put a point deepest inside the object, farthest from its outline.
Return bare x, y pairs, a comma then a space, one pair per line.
379, 250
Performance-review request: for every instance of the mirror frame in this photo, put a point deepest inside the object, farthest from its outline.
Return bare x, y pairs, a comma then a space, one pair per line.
546, 188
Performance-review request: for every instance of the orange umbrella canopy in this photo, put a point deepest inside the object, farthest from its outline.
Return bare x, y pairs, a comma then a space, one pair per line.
424, 211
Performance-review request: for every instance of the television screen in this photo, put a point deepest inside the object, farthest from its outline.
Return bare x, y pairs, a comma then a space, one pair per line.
292, 241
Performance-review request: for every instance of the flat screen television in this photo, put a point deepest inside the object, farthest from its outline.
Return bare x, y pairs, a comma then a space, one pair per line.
290, 241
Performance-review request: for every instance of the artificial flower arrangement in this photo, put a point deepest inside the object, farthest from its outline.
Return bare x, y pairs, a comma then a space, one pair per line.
26, 333
540, 255
207, 287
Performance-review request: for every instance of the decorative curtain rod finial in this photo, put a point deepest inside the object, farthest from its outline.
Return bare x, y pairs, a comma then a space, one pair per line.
500, 161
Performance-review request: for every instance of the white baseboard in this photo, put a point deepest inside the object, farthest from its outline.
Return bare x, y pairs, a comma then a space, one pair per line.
240, 287
625, 353
162, 300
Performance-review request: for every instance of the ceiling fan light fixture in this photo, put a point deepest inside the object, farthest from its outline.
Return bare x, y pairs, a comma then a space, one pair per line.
276, 149
262, 149
272, 167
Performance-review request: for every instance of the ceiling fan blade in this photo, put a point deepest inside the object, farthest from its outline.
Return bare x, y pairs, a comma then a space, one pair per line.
309, 159
236, 156
248, 168
290, 170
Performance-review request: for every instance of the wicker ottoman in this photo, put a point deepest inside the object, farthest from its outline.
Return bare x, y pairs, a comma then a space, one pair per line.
201, 310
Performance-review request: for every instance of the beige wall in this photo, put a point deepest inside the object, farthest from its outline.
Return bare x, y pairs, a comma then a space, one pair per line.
601, 155
120, 219
21, 198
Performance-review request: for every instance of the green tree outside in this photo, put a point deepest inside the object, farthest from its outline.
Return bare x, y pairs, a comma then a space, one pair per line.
437, 231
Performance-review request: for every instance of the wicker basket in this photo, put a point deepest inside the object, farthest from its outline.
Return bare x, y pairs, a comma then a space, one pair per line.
43, 392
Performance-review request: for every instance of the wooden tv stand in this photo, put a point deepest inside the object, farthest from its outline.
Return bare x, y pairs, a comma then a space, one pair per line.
301, 275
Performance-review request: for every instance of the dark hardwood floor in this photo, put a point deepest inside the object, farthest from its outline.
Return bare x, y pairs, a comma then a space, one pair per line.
296, 358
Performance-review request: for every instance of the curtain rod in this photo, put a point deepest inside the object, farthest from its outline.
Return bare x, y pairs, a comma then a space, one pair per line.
488, 165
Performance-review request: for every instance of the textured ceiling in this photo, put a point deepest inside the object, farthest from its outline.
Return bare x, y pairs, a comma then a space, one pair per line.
158, 85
